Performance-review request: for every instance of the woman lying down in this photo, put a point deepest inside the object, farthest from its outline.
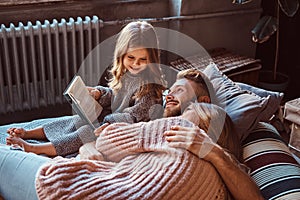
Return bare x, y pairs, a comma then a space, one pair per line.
141, 161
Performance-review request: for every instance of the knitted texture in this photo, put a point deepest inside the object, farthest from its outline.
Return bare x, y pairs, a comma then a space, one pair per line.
140, 166
68, 134
124, 106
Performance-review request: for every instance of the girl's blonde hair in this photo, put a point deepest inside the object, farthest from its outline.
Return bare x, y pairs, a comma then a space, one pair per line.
138, 34
219, 127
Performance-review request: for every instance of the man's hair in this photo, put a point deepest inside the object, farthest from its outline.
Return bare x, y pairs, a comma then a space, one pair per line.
205, 85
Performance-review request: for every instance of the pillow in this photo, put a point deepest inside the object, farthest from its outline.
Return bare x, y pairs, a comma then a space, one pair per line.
245, 108
275, 99
272, 165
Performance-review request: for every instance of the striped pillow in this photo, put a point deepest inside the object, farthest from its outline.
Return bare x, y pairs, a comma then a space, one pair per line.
272, 165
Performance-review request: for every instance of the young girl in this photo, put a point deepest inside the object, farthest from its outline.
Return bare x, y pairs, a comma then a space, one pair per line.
134, 91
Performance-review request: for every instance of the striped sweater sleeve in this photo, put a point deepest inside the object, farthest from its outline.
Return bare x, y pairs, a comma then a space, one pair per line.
119, 141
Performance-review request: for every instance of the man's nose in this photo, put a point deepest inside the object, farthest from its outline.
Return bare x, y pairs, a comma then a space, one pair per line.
166, 99
169, 96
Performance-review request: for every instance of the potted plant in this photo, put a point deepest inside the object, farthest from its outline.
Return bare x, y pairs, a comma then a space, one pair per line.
264, 29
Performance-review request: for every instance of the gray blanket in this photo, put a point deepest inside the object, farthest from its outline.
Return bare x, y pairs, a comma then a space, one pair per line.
26, 126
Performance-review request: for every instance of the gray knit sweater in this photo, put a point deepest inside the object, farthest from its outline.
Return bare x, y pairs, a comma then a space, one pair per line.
126, 108
68, 135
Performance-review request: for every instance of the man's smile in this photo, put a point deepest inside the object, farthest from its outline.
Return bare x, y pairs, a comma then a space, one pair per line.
171, 103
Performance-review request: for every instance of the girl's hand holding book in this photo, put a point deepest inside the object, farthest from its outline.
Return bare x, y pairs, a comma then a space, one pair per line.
94, 93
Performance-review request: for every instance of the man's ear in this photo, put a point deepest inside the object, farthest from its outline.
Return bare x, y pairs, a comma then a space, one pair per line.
204, 99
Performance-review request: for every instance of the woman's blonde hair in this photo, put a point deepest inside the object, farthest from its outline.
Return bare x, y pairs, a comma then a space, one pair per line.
138, 34
219, 127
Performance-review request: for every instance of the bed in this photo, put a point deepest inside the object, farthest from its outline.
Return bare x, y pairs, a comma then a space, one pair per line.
272, 165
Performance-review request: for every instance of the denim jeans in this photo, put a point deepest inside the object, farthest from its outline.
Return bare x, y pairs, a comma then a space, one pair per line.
17, 173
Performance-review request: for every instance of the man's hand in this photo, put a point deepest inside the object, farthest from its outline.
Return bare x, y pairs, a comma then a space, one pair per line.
89, 151
94, 93
193, 139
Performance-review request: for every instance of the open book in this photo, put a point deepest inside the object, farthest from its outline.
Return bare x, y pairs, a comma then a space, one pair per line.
82, 102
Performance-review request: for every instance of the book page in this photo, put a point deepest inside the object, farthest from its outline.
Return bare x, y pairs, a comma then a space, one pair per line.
82, 102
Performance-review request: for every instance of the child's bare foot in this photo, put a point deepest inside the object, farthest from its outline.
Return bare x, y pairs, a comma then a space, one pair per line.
18, 132
16, 141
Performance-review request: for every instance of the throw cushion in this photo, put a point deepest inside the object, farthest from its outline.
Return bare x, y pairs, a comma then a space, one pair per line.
245, 108
274, 99
272, 165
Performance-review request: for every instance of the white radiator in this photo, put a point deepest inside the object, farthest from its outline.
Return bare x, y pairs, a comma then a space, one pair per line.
38, 60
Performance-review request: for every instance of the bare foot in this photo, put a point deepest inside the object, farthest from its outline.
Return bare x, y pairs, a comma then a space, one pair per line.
18, 132
16, 141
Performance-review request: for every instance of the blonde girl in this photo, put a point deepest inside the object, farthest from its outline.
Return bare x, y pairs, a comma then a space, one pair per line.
134, 94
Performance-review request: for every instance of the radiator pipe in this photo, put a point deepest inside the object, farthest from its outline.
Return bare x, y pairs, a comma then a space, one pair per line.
186, 17
166, 19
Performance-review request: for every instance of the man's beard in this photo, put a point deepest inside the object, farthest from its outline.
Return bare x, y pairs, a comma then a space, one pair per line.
172, 113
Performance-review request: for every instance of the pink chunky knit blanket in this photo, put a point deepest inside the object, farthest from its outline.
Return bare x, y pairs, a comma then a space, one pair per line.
139, 165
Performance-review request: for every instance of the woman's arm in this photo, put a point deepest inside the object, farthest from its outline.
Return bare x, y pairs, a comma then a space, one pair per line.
118, 140
238, 182
89, 151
